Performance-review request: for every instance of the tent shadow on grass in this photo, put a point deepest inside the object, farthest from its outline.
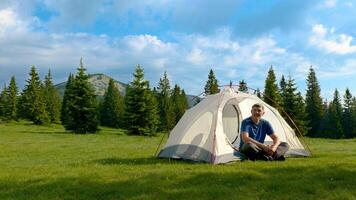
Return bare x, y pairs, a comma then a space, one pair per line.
308, 182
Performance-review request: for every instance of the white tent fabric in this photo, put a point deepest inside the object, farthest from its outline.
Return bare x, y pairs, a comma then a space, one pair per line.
210, 132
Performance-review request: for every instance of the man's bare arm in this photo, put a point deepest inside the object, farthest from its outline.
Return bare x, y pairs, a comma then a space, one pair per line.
276, 142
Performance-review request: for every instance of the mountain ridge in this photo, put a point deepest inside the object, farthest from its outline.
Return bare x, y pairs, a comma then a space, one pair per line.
100, 82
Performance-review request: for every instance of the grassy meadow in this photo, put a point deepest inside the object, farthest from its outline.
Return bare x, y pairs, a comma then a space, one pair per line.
39, 162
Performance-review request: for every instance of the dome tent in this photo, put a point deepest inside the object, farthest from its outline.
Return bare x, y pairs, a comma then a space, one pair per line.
209, 131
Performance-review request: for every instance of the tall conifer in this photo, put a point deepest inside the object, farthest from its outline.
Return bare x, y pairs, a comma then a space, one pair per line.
65, 108
165, 104
52, 98
112, 107
347, 118
330, 125
293, 105
3, 101
335, 111
353, 115
141, 114
301, 115
33, 105
282, 88
211, 86
271, 92
180, 102
314, 103
11, 107
83, 104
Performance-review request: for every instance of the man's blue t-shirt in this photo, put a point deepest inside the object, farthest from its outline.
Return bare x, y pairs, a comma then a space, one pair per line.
258, 131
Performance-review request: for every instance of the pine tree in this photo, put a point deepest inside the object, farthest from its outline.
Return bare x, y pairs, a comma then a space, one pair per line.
151, 117
32, 100
293, 105
301, 115
141, 114
112, 107
282, 87
165, 107
335, 111
331, 126
324, 126
314, 104
11, 107
243, 86
52, 98
336, 115
180, 102
65, 108
289, 100
271, 94
353, 111
3, 101
211, 86
282, 84
347, 118
83, 104
184, 102
337, 102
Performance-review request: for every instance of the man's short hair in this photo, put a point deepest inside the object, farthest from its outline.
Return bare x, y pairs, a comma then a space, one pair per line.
258, 105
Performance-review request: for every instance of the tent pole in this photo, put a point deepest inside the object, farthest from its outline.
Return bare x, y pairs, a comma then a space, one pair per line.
159, 145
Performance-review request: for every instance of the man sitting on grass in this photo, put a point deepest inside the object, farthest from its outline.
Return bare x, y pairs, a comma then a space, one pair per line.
253, 134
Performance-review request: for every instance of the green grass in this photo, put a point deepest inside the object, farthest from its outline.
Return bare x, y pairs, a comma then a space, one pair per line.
49, 163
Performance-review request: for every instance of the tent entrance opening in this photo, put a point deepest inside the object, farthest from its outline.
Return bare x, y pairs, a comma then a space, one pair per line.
231, 122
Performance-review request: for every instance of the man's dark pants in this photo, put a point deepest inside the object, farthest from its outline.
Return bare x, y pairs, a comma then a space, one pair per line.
253, 152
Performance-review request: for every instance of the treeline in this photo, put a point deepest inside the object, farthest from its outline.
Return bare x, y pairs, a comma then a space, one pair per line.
38, 102
308, 115
145, 111
142, 111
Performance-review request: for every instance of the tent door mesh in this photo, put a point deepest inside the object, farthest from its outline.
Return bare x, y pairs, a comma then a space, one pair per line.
231, 122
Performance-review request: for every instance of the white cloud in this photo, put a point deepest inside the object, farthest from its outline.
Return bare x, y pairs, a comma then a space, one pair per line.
7, 18
220, 40
187, 60
23, 9
140, 43
257, 52
326, 40
349, 4
9, 21
330, 3
196, 56
348, 68
319, 30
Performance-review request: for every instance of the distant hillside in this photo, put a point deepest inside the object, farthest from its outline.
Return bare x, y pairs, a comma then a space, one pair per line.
100, 83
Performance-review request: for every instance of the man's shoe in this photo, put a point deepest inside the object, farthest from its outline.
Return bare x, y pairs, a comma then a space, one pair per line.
281, 158
267, 158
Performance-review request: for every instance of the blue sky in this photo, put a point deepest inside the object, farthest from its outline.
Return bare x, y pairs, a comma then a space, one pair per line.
238, 39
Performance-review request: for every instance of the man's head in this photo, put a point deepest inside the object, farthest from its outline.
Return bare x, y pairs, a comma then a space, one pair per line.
257, 110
